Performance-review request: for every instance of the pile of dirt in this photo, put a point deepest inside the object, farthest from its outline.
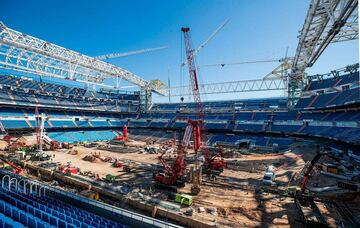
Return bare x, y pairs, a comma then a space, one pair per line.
254, 214
92, 157
232, 154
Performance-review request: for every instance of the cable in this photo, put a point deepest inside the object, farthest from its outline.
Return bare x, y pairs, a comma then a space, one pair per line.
240, 63
181, 61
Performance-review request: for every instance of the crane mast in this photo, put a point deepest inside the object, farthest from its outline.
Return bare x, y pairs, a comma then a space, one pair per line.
211, 163
197, 124
174, 174
190, 58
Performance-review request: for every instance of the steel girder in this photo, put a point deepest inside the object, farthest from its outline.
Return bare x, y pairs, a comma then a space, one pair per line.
327, 21
24, 53
265, 84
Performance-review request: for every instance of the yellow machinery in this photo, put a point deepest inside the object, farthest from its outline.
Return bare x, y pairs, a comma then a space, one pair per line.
184, 199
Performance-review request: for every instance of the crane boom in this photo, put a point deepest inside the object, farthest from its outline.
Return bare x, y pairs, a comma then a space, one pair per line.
119, 55
211, 164
195, 51
190, 58
211, 37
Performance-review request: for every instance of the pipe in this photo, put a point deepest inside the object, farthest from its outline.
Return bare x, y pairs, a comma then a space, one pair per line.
336, 176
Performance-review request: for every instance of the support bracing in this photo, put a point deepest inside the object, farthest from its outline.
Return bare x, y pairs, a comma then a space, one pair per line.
145, 100
327, 21
27, 54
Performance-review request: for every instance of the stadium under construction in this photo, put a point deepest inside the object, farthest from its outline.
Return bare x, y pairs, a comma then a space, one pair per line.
77, 151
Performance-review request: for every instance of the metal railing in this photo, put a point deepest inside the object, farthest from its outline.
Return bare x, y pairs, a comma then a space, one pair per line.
39, 187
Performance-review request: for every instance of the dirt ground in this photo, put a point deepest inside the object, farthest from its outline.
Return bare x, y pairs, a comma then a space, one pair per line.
234, 194
100, 167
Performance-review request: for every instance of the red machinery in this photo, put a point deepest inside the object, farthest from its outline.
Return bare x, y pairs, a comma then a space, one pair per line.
7, 139
13, 145
174, 175
54, 145
124, 137
15, 167
212, 163
68, 169
117, 164
310, 167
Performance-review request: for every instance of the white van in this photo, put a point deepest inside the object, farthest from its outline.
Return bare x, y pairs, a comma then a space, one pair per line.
269, 176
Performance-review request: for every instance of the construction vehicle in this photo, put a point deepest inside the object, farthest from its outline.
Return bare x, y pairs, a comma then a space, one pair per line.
214, 164
117, 164
308, 210
304, 201
15, 145
183, 199
175, 175
310, 166
68, 169
124, 136
128, 166
53, 144
172, 175
269, 176
16, 168
110, 178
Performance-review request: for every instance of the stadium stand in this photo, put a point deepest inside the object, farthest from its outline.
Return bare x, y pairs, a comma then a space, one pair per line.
326, 110
331, 92
22, 91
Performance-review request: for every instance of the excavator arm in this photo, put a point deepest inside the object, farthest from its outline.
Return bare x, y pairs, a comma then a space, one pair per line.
309, 169
15, 167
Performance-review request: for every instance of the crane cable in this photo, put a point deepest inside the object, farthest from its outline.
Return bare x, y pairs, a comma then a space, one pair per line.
181, 66
240, 63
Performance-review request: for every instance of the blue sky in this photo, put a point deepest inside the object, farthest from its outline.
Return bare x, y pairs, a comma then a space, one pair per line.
258, 29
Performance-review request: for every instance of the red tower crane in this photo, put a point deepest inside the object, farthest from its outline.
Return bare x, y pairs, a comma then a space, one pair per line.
174, 174
212, 163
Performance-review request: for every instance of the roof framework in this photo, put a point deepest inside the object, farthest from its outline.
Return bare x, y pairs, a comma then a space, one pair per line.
25, 53
327, 21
